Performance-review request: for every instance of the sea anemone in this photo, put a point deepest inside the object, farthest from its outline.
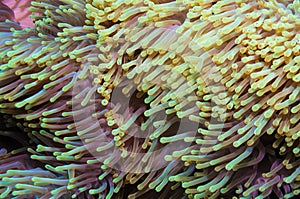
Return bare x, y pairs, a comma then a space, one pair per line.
143, 99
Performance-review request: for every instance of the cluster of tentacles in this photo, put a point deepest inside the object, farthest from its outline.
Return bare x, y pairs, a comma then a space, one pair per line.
149, 98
